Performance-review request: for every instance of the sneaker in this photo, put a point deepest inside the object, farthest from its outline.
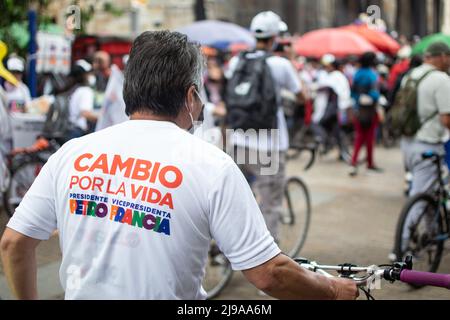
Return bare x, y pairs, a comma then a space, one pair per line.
353, 171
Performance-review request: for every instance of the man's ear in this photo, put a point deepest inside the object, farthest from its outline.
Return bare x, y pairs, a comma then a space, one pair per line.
190, 99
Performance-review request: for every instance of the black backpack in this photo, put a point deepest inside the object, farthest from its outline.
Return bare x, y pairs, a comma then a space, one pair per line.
251, 96
57, 124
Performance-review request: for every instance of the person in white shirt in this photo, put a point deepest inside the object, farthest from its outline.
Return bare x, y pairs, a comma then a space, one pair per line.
332, 103
137, 204
269, 178
81, 103
18, 96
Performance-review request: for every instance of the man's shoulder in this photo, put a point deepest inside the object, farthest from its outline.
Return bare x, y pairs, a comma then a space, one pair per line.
434, 77
207, 152
279, 62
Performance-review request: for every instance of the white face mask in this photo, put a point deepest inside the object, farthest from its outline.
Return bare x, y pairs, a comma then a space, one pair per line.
92, 80
196, 124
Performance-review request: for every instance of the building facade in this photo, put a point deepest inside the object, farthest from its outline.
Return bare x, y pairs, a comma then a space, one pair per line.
409, 17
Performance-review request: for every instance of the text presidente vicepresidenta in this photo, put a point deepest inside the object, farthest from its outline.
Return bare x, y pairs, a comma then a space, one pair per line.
224, 310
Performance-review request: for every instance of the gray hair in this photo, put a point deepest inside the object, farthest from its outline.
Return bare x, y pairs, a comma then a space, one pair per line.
163, 65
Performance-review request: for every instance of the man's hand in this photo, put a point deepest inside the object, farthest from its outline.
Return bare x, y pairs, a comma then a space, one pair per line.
345, 289
282, 278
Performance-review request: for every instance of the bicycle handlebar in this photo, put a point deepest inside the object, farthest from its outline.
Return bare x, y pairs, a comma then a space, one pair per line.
400, 271
425, 279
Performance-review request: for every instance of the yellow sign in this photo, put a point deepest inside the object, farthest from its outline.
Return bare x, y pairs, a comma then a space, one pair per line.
5, 74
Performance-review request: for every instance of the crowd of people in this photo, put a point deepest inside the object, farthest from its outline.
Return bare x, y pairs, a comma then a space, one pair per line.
164, 90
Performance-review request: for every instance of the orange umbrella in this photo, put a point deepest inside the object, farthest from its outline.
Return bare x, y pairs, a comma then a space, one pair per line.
238, 47
381, 40
209, 52
338, 42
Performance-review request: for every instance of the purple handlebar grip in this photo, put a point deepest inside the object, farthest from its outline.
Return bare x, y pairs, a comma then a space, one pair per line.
425, 279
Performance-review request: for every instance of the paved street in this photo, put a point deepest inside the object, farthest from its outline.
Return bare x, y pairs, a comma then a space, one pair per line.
353, 221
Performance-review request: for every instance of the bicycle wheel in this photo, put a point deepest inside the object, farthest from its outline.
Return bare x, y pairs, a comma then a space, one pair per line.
419, 233
298, 153
21, 180
218, 273
295, 217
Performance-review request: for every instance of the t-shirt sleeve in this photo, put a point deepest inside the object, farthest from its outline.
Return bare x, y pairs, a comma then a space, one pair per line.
232, 65
236, 222
85, 99
35, 217
292, 79
442, 95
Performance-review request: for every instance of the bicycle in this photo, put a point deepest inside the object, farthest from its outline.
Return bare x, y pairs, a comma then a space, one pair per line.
294, 226
22, 168
368, 278
425, 220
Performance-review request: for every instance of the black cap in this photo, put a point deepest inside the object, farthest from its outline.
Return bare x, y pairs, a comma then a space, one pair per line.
437, 49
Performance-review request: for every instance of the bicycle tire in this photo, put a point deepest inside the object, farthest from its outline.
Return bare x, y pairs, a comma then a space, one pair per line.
35, 164
217, 290
214, 283
430, 204
295, 221
295, 153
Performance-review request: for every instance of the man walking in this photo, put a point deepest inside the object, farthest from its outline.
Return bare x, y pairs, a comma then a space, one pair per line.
251, 149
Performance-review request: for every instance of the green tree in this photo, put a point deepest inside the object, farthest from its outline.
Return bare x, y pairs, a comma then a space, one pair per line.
14, 22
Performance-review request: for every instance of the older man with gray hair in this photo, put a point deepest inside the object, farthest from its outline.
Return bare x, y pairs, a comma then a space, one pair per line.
137, 204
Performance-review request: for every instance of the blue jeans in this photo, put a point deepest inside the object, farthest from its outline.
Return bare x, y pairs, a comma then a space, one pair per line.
447, 154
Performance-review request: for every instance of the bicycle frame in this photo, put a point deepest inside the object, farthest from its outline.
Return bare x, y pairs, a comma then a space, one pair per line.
441, 195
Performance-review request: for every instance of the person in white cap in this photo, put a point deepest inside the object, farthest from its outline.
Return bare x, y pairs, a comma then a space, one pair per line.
266, 27
18, 97
81, 104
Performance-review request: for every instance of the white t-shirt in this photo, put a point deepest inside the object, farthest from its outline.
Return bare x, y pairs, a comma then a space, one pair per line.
82, 99
136, 206
285, 77
17, 96
433, 100
336, 81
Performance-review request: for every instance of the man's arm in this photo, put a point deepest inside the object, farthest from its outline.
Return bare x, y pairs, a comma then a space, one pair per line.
89, 115
283, 278
445, 120
301, 97
18, 254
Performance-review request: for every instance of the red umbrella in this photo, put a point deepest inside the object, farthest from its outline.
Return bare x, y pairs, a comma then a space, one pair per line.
381, 40
338, 42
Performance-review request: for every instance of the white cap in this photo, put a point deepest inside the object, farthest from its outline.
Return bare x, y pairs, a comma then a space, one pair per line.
15, 64
265, 25
328, 59
283, 27
87, 67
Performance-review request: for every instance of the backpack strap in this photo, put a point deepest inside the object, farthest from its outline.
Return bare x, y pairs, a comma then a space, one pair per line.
419, 81
241, 61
